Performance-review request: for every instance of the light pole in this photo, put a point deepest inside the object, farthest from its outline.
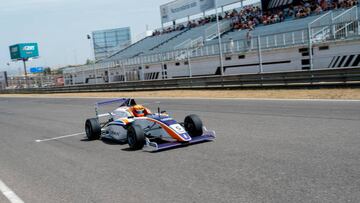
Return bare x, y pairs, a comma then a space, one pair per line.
92, 51
260, 55
124, 69
189, 62
25, 73
142, 68
310, 48
219, 37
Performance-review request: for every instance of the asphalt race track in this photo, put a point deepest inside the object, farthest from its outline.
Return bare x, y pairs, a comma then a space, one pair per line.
266, 151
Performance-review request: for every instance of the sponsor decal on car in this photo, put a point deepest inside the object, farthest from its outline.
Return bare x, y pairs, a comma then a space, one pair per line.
166, 119
178, 128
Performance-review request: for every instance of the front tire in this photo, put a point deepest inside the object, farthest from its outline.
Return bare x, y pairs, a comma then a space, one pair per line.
136, 137
92, 129
193, 125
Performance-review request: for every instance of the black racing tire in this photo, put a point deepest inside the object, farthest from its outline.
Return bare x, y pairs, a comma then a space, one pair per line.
92, 129
136, 137
193, 125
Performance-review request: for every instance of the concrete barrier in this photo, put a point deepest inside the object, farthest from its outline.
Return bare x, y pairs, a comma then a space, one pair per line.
324, 77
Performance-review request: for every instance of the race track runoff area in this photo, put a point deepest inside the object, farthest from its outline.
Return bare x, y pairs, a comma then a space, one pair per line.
265, 151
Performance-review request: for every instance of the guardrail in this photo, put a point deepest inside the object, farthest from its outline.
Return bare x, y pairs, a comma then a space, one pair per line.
324, 77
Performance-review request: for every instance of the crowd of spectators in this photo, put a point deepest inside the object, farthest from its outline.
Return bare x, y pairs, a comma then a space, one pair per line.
251, 16
190, 24
169, 29
311, 7
246, 18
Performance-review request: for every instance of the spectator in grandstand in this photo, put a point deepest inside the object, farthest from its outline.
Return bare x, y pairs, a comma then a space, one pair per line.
191, 24
156, 33
180, 27
318, 9
227, 15
333, 5
324, 5
289, 12
348, 3
302, 12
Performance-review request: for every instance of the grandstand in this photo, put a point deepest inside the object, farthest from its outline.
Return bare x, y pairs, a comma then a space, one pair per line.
144, 46
281, 45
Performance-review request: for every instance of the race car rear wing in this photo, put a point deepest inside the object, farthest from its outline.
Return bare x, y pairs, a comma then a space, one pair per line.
107, 102
122, 102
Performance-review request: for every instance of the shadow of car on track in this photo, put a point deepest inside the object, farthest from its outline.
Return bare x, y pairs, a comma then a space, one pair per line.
128, 149
109, 142
105, 140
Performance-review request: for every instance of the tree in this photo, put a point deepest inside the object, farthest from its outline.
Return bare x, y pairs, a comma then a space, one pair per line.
47, 71
89, 61
58, 71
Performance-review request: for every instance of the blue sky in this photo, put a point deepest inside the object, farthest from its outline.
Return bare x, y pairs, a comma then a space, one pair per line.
60, 26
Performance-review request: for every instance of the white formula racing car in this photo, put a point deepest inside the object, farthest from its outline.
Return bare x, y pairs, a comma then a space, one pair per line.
140, 128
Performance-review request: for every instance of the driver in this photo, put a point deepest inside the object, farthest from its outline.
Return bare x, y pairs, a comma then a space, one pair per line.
139, 111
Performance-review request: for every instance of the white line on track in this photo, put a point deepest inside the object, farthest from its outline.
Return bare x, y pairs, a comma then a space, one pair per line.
9, 194
61, 137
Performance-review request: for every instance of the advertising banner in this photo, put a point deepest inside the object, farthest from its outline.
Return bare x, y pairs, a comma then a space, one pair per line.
24, 51
36, 69
228, 2
182, 8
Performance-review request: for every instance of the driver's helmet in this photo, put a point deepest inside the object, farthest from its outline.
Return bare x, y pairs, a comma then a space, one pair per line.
138, 110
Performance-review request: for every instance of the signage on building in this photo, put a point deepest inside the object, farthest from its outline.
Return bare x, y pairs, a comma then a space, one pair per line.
36, 69
182, 8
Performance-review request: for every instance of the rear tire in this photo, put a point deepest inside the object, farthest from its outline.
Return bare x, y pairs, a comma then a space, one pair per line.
135, 137
193, 125
92, 129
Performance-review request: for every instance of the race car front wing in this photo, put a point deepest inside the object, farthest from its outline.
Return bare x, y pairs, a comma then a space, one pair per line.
154, 146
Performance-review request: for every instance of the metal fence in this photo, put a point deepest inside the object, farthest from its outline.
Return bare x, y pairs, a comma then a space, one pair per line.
35, 81
316, 78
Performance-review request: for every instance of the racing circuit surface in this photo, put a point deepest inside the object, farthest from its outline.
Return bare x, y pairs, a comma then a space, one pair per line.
266, 151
